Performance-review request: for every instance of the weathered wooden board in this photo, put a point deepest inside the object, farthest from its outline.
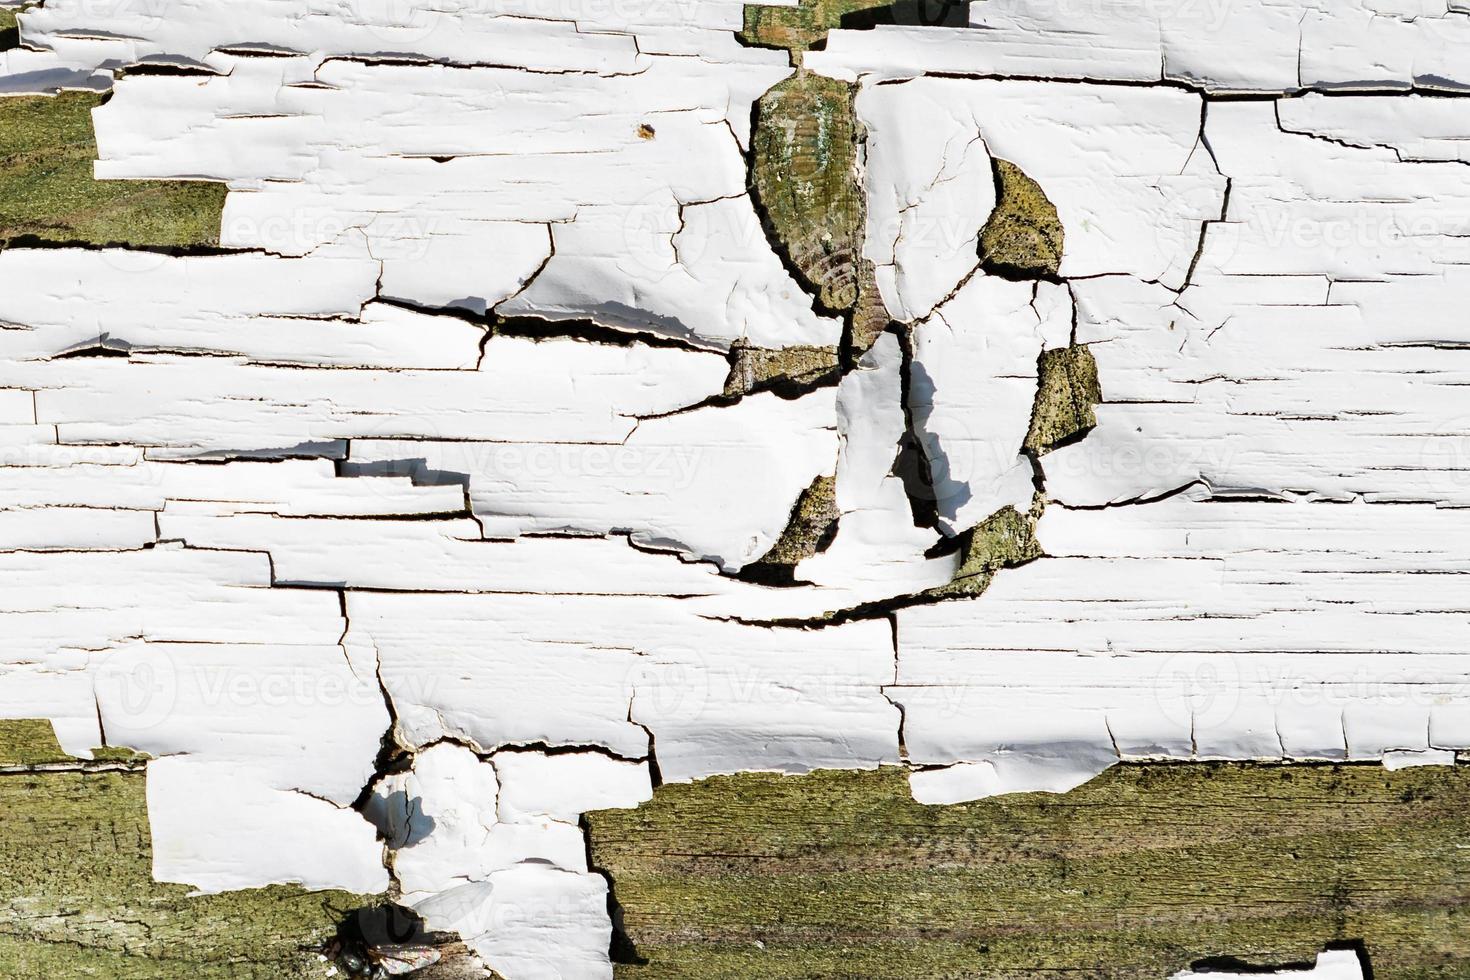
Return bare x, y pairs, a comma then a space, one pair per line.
1130, 877
78, 899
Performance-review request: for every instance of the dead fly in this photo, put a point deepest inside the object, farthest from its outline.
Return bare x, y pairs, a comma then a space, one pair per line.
384, 941
382, 962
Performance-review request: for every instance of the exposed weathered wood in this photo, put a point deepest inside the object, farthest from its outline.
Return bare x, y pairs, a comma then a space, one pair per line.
761, 369
1023, 238
805, 171
78, 899
799, 27
1130, 877
47, 191
1066, 396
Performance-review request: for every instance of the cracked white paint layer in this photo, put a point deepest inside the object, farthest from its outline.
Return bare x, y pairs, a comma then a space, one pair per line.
259, 508
609, 670
878, 551
1261, 46
1131, 196
491, 190
673, 482
972, 386
490, 847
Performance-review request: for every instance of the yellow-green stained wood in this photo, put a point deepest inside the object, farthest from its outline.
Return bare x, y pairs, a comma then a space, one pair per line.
1131, 877
1067, 393
812, 518
760, 368
806, 182
29, 742
77, 898
798, 28
1005, 539
1023, 237
47, 191
804, 168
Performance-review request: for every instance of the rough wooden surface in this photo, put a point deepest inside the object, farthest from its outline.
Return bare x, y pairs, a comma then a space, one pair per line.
830, 875
804, 172
806, 181
1066, 396
812, 520
798, 27
47, 191
1132, 876
1023, 238
77, 897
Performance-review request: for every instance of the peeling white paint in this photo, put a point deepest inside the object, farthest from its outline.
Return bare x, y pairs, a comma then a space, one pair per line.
1334, 964
259, 508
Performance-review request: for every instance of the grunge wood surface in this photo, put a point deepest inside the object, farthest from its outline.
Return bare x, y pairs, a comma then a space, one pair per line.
1132, 876
77, 898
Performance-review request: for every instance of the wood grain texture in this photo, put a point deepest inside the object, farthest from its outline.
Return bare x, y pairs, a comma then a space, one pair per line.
1130, 877
78, 899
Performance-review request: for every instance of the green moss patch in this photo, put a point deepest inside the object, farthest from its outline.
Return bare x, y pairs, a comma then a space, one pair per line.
813, 520
1066, 395
1023, 238
1131, 877
78, 899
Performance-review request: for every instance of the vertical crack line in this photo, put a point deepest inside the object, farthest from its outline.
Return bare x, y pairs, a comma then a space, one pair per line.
101, 726
1203, 140
1107, 724
655, 774
392, 757
903, 748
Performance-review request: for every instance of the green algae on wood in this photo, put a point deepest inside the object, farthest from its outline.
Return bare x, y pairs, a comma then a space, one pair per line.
1067, 393
1023, 238
77, 897
813, 520
1130, 877
1005, 539
29, 742
806, 182
805, 169
760, 369
798, 28
47, 190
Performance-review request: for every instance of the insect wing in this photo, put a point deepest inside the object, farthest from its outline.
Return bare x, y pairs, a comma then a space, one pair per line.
397, 961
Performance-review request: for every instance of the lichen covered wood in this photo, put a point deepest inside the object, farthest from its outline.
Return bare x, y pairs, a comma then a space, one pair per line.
78, 898
1132, 877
